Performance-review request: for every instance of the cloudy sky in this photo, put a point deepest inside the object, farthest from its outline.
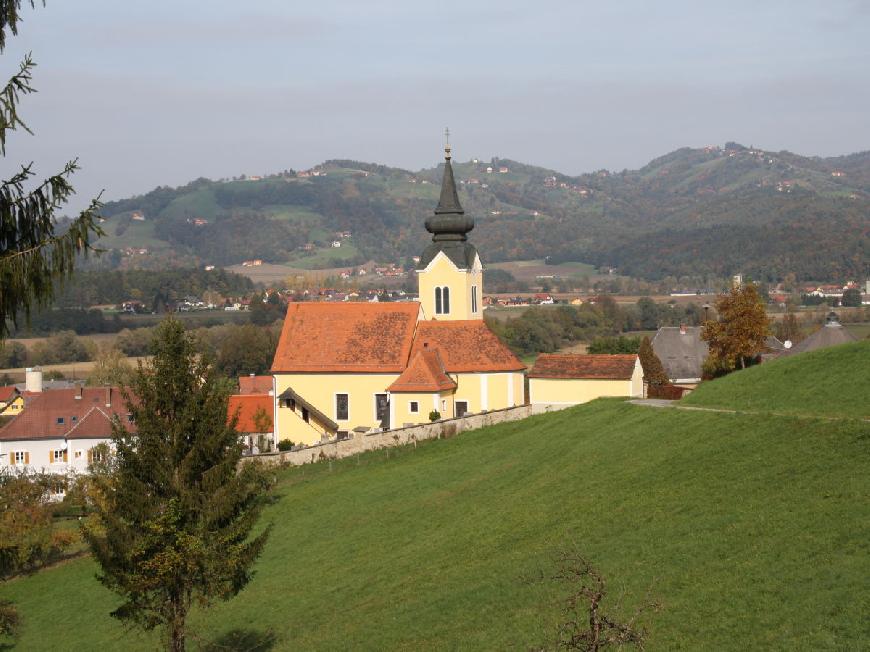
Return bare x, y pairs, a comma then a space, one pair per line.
162, 92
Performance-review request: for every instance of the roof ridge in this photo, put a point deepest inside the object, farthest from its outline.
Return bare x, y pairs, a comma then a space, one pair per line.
81, 421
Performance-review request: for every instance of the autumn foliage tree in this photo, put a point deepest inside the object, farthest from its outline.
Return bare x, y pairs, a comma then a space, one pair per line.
28, 539
738, 337
175, 518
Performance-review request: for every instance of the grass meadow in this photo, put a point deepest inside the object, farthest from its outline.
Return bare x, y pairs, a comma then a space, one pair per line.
753, 531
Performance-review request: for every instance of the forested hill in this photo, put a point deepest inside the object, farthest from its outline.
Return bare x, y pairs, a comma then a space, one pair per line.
716, 210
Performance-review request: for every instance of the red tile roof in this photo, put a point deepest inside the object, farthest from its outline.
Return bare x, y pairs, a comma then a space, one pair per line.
346, 337
465, 346
40, 419
96, 424
247, 406
598, 367
7, 393
255, 384
425, 373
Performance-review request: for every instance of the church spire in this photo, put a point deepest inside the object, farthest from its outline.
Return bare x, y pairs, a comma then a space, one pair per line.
449, 222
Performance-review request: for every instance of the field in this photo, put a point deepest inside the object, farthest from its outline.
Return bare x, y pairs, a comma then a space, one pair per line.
751, 530
530, 270
860, 330
70, 370
797, 384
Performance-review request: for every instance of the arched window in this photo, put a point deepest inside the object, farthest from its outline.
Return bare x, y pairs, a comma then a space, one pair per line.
446, 301
437, 301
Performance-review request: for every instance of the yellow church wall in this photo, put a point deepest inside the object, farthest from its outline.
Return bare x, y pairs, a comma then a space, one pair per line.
400, 406
489, 391
320, 390
290, 425
441, 272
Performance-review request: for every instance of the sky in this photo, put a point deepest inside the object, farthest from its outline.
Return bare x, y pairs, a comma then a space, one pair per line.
162, 92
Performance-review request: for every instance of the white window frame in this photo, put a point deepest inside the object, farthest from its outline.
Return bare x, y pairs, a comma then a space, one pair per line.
54, 455
19, 454
335, 396
414, 407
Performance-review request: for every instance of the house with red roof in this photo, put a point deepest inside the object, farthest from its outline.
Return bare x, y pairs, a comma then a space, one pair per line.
253, 384
366, 366
562, 380
11, 401
255, 418
60, 430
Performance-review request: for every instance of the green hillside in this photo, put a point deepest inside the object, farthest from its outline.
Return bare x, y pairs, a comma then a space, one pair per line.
710, 211
832, 382
752, 531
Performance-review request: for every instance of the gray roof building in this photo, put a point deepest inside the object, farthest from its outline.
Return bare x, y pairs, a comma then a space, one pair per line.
682, 352
831, 334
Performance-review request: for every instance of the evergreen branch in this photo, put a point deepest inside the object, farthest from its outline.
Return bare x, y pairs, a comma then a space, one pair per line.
28, 274
9, 18
18, 84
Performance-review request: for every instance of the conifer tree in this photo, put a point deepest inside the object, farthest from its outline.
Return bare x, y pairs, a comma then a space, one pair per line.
34, 251
175, 520
653, 370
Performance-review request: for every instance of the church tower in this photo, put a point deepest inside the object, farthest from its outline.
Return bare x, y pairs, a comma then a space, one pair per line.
450, 276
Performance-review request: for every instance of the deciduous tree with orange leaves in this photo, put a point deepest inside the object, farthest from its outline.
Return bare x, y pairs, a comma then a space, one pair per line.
736, 339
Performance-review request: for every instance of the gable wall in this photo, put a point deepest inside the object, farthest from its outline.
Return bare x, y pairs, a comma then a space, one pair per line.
442, 272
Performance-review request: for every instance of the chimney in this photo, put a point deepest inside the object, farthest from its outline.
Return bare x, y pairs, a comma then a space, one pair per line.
682, 329
78, 394
108, 397
33, 379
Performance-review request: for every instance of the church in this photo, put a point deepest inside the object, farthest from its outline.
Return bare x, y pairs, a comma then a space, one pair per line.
343, 368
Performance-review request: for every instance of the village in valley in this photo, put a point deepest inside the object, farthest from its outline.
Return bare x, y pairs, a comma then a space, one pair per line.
406, 360
436, 402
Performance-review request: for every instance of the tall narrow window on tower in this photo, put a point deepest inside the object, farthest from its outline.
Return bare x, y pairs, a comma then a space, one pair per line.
438, 301
473, 298
446, 300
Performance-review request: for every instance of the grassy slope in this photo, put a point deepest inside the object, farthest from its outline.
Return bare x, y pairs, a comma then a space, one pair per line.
751, 530
833, 382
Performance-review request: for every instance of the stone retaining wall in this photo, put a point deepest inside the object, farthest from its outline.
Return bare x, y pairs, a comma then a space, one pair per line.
359, 443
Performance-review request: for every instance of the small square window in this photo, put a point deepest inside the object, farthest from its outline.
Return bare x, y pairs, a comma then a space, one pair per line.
60, 421
73, 419
78, 455
414, 407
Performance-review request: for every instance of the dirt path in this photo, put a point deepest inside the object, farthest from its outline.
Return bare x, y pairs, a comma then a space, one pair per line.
664, 403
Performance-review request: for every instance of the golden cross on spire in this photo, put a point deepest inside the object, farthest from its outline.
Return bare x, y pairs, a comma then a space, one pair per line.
447, 143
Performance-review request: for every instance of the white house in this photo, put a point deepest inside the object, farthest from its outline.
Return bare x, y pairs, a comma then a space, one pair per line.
59, 429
